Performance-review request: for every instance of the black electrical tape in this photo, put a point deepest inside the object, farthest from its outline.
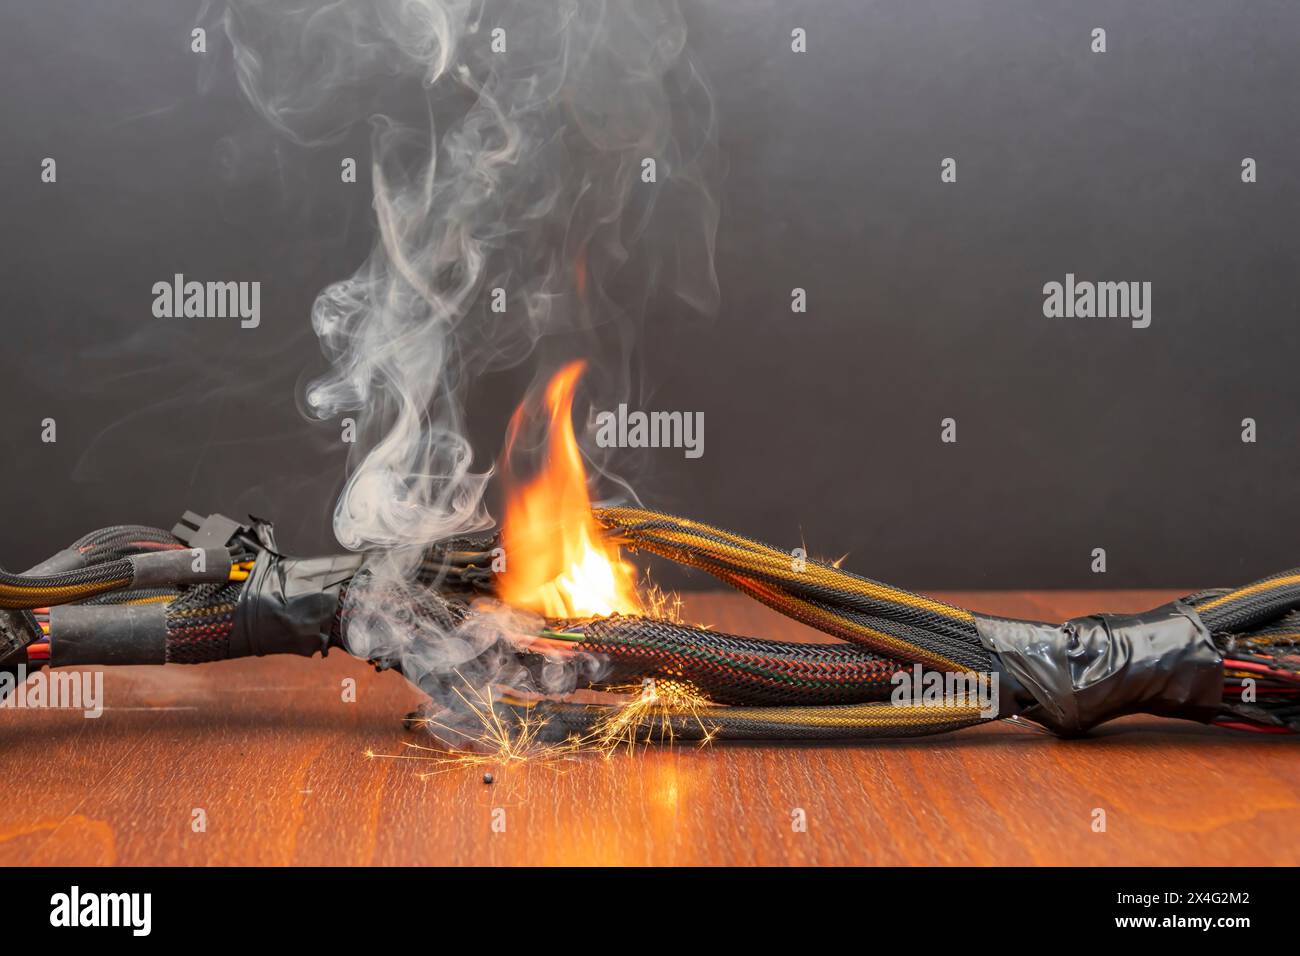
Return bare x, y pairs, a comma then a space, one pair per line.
106, 635
1071, 677
170, 568
287, 605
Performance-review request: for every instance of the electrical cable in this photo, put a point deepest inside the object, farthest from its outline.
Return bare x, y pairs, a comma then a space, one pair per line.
1230, 657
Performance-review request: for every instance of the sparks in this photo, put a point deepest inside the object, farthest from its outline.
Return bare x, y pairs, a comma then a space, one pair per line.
648, 711
495, 744
650, 714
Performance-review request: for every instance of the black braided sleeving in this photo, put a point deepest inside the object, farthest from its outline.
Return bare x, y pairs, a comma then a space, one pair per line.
1286, 626
727, 668
642, 532
199, 622
637, 648
111, 570
954, 632
30, 591
144, 595
562, 721
888, 618
734, 670
121, 540
971, 656
106, 544
739, 561
1250, 607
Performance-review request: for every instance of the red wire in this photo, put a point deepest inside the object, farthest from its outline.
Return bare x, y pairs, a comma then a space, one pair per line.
1253, 728
1258, 668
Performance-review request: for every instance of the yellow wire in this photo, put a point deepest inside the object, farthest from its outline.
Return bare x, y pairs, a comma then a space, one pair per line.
758, 558
1248, 591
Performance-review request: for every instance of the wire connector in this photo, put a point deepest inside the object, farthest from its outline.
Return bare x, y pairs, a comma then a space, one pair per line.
214, 531
17, 630
218, 531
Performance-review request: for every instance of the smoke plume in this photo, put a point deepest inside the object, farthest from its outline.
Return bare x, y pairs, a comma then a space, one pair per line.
561, 151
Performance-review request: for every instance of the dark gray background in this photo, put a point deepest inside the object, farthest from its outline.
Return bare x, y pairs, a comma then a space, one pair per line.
924, 299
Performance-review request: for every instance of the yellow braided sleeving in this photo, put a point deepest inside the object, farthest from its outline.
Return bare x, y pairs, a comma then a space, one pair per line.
20, 598
759, 559
201, 611
780, 567
1248, 591
759, 722
831, 623
848, 715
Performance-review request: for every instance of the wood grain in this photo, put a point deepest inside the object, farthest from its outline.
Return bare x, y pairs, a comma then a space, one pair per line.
276, 759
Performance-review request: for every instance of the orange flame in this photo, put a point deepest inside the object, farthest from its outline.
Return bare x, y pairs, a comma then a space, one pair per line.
558, 563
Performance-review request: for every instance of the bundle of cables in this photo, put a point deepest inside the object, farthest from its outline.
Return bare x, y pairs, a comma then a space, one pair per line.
1229, 657
213, 589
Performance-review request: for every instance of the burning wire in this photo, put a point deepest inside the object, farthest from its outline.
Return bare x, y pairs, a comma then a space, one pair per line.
704, 685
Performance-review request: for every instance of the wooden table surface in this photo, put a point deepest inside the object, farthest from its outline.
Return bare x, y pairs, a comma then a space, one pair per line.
276, 761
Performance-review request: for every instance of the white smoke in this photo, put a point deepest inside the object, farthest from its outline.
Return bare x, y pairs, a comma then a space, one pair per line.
508, 147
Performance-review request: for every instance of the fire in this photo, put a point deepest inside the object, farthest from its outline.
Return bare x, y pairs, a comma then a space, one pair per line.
558, 562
